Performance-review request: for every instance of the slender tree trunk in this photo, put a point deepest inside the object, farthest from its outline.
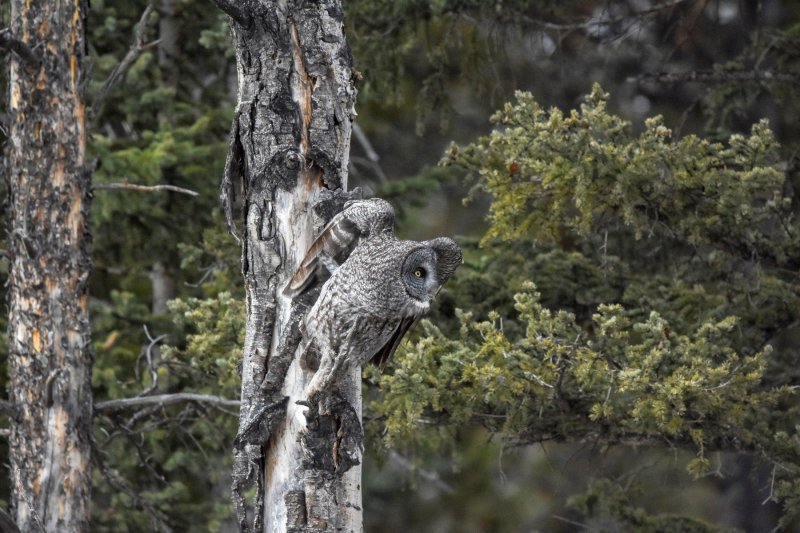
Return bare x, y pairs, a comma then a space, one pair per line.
48, 240
289, 148
168, 48
161, 282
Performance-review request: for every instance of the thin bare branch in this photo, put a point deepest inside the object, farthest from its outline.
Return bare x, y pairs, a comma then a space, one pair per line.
207, 272
432, 477
164, 399
598, 22
712, 77
148, 354
369, 151
20, 48
118, 74
144, 188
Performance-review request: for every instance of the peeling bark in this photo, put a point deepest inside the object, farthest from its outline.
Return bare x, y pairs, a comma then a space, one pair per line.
288, 154
48, 239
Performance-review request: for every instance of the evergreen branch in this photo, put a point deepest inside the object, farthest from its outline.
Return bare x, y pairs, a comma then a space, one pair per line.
608, 436
115, 78
145, 188
117, 482
20, 48
164, 399
711, 77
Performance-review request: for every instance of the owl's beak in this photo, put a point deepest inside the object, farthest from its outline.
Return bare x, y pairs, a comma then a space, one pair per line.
433, 290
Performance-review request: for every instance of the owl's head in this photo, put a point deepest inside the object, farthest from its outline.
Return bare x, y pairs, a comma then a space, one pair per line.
426, 268
419, 275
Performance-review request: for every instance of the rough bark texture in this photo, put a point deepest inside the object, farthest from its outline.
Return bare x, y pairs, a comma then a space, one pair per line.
48, 239
289, 150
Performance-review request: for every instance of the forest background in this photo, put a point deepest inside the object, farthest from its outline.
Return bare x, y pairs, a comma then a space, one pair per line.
646, 382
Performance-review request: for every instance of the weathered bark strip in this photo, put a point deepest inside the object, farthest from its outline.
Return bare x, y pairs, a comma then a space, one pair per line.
48, 239
289, 149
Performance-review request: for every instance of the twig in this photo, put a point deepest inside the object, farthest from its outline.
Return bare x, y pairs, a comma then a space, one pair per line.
709, 76
585, 527
206, 274
145, 188
595, 22
20, 48
137, 47
427, 475
164, 399
369, 151
148, 353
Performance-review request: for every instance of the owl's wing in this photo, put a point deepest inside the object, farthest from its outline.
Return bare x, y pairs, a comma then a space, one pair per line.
357, 221
385, 353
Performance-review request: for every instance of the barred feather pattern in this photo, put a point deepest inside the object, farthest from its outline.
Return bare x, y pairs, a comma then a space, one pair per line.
379, 287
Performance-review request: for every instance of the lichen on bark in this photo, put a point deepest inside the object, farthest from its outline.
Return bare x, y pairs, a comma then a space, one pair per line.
49, 250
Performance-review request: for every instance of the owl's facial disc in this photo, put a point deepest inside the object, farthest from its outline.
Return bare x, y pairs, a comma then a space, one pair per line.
419, 275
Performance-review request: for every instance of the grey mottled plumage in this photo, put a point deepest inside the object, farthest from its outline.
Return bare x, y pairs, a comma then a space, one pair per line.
379, 286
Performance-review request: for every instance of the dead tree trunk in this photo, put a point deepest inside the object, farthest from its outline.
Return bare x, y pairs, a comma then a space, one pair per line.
289, 149
48, 239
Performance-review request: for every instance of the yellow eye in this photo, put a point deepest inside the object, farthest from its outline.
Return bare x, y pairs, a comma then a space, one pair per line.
418, 273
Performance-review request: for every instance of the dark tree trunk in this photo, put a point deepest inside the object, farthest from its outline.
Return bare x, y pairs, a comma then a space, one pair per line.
48, 240
289, 149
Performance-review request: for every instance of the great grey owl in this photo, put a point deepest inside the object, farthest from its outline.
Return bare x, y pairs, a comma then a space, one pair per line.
379, 286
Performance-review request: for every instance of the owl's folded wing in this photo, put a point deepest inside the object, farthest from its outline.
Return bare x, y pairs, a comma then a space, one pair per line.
385, 353
359, 220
